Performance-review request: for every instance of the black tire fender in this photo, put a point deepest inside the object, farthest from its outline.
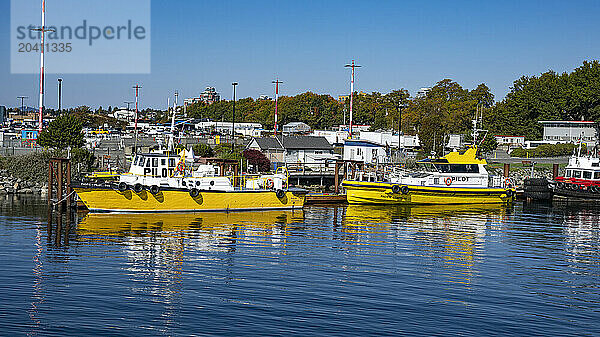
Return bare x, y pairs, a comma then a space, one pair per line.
280, 194
137, 188
154, 189
404, 189
194, 192
396, 189
123, 187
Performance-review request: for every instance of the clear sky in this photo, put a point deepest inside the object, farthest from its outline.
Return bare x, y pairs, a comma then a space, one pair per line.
400, 44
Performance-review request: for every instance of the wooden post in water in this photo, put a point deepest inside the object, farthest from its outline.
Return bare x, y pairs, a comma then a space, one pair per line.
59, 175
50, 185
506, 170
59, 193
337, 177
554, 171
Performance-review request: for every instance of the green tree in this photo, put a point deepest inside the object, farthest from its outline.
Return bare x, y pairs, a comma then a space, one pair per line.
203, 150
65, 131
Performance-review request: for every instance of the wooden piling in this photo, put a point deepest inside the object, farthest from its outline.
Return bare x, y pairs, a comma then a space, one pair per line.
506, 170
337, 177
554, 171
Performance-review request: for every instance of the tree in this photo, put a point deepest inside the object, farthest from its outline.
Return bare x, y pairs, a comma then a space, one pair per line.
257, 159
203, 150
65, 131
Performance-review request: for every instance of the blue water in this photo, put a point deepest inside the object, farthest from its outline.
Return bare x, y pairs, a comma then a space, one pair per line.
523, 270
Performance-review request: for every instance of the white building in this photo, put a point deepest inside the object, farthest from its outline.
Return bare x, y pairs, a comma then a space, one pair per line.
570, 132
333, 137
296, 127
246, 129
124, 115
366, 151
388, 138
422, 92
510, 142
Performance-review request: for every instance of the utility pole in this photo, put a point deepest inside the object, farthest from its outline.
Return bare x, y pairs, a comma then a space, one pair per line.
22, 98
59, 95
43, 30
277, 82
351, 93
137, 88
128, 104
233, 124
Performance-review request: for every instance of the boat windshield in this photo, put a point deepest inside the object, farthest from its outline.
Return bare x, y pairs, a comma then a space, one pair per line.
428, 167
457, 168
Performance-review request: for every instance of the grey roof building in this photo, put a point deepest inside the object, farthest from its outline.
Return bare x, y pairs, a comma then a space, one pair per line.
291, 149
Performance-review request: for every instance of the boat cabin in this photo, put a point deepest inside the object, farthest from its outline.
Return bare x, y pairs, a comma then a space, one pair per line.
586, 168
154, 165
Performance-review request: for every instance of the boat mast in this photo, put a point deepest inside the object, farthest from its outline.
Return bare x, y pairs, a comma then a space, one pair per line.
171, 144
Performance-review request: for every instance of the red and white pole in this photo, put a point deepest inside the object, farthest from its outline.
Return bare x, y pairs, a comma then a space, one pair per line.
43, 28
351, 95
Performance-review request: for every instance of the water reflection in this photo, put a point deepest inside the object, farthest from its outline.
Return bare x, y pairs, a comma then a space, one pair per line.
451, 235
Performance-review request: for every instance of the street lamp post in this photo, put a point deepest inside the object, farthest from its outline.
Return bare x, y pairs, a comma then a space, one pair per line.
234, 84
59, 95
22, 98
351, 92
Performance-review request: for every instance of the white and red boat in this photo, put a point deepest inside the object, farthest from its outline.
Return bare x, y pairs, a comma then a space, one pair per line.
581, 179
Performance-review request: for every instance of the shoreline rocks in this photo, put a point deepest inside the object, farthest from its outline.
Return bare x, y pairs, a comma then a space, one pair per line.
12, 185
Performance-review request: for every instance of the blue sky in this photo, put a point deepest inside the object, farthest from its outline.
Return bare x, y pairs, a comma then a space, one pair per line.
401, 44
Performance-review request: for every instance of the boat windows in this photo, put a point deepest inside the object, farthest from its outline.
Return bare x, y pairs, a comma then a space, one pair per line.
587, 175
163, 162
576, 174
171, 162
147, 162
596, 175
154, 162
568, 174
458, 168
596, 164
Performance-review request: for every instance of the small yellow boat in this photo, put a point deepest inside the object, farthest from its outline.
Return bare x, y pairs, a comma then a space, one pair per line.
457, 178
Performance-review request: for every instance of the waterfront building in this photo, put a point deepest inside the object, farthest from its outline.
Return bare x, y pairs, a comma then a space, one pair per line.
570, 132
306, 150
366, 151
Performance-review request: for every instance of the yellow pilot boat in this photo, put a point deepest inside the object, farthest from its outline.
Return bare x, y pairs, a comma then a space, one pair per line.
457, 178
160, 182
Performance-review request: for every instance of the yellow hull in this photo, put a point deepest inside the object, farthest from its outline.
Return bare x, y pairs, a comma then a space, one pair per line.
110, 200
359, 192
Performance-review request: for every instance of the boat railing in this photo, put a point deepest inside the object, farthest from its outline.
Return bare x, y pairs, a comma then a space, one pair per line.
257, 181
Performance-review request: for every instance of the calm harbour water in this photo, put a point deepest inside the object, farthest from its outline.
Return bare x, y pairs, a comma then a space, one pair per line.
523, 270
